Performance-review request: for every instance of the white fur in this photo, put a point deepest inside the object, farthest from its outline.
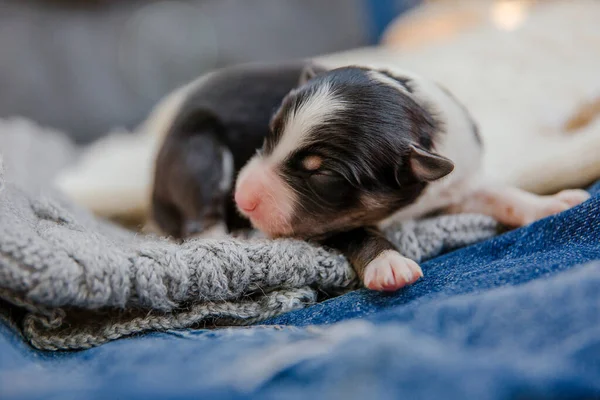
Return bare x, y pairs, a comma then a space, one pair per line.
390, 271
298, 124
514, 207
228, 171
113, 176
386, 80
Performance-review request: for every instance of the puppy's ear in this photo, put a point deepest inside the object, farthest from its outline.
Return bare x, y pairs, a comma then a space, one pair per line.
309, 71
427, 166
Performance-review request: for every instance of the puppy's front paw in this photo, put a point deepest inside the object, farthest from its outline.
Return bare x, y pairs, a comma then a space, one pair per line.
391, 271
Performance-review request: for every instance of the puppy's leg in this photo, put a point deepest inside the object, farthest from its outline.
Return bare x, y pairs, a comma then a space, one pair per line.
515, 207
375, 260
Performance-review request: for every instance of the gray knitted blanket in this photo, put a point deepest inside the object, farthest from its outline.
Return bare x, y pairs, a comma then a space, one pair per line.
71, 281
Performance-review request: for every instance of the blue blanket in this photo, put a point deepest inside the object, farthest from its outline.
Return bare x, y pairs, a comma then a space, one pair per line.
517, 316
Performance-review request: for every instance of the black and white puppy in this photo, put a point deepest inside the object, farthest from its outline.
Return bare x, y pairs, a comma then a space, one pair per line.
211, 128
354, 148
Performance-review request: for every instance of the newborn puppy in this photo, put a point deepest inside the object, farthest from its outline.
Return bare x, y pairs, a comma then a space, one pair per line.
354, 148
211, 128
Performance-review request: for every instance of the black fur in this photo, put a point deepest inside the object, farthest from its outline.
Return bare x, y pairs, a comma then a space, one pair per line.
230, 111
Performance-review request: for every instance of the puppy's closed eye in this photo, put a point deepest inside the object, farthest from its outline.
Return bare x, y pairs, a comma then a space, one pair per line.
329, 186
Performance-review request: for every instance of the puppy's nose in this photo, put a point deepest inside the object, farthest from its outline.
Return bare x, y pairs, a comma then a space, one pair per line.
247, 192
245, 201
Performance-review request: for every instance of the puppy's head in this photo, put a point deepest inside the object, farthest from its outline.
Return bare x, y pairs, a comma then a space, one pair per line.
348, 148
193, 174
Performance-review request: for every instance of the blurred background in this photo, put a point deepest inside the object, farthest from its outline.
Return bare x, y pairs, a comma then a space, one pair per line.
88, 66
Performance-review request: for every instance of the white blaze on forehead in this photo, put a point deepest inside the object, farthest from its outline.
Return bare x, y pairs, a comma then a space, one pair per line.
314, 111
387, 80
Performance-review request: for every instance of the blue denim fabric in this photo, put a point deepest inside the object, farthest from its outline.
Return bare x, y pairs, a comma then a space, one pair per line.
517, 316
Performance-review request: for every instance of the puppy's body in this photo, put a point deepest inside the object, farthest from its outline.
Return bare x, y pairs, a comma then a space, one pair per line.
211, 128
355, 147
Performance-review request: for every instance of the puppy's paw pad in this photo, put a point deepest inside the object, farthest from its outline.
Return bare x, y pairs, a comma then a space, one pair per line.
391, 271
